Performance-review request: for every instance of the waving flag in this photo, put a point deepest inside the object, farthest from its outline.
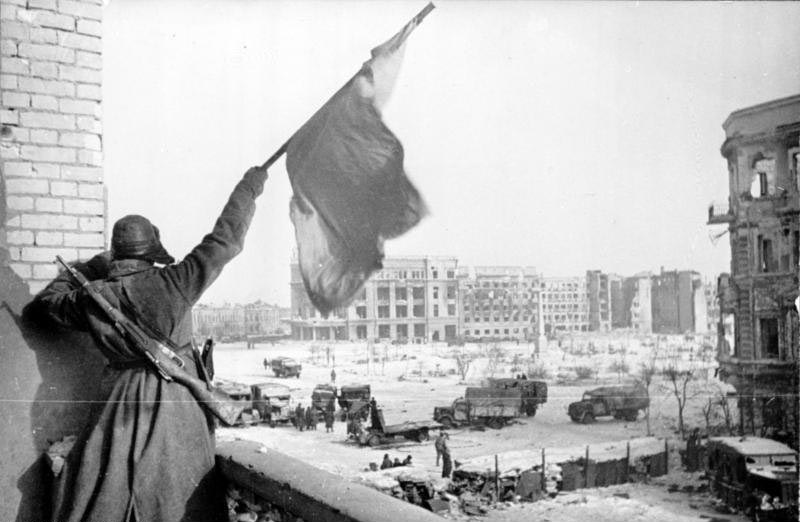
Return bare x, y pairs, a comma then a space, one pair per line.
350, 190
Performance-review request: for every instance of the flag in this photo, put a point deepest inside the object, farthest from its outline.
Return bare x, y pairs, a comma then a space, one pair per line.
350, 189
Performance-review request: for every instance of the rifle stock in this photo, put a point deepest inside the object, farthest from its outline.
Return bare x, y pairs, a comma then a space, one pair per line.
163, 360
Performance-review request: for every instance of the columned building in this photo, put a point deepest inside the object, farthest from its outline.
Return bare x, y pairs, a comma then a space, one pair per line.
758, 326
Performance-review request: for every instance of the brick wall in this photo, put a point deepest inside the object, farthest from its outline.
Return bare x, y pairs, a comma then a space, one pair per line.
51, 202
51, 148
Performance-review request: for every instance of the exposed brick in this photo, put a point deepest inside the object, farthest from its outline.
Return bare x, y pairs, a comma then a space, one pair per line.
92, 224
48, 120
54, 154
44, 101
8, 12
21, 3
88, 157
46, 254
15, 253
80, 74
27, 186
45, 137
42, 4
92, 27
14, 221
16, 30
9, 151
19, 237
8, 81
80, 41
89, 207
90, 190
38, 86
23, 270
43, 35
11, 65
64, 188
90, 124
36, 286
79, 107
48, 19
81, 9
89, 91
20, 134
74, 173
49, 204
8, 47
9, 116
17, 168
90, 60
16, 99
45, 271
49, 222
47, 170
49, 238
44, 69
92, 239
78, 139
19, 202
48, 52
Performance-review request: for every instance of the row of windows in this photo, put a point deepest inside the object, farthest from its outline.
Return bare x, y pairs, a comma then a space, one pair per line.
412, 274
506, 331
566, 317
497, 318
402, 311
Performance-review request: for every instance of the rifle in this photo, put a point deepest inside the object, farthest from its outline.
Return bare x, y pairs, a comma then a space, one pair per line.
166, 363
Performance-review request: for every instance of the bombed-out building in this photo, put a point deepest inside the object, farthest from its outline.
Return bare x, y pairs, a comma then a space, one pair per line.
411, 298
758, 326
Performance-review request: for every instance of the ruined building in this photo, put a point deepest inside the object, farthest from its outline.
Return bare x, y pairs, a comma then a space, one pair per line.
758, 327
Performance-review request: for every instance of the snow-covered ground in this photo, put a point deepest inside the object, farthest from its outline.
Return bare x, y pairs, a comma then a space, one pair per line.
409, 380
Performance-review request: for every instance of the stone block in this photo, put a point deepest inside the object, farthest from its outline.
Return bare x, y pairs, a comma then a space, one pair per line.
52, 154
48, 120
49, 238
84, 206
64, 188
46, 52
49, 222
27, 186
49, 205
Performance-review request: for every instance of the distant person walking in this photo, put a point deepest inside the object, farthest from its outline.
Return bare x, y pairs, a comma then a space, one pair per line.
266, 364
438, 443
333, 376
328, 421
311, 422
299, 417
447, 462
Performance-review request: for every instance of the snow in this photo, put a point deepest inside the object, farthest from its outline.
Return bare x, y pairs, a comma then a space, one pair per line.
408, 381
755, 445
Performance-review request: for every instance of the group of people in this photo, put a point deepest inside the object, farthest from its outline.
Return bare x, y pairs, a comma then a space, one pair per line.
389, 463
308, 418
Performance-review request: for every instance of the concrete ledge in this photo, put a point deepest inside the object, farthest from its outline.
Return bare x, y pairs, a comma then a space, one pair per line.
308, 492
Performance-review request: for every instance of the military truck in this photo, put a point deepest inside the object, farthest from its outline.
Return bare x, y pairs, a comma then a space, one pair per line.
534, 393
743, 470
621, 402
493, 407
354, 399
380, 433
323, 397
265, 402
285, 367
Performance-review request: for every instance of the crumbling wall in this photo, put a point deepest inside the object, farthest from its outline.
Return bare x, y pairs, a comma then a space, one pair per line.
51, 202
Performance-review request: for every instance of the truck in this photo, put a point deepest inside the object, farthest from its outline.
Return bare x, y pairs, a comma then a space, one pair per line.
265, 402
380, 433
354, 400
534, 393
621, 402
323, 397
493, 407
744, 470
285, 367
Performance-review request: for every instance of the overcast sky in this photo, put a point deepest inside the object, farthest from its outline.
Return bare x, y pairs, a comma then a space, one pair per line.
567, 136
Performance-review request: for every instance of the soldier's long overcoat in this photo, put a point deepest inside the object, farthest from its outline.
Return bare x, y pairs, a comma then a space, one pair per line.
149, 452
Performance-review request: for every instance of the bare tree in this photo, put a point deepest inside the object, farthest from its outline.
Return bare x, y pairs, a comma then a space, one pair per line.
709, 410
647, 371
494, 354
620, 367
463, 363
679, 381
722, 400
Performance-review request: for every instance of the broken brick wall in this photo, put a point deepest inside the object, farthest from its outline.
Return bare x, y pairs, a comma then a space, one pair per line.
51, 202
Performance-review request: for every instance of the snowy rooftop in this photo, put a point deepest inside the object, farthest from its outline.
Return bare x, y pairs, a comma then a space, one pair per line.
754, 445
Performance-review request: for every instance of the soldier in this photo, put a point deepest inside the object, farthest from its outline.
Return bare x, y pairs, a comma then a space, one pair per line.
311, 421
300, 416
333, 376
447, 462
387, 462
328, 420
439, 443
148, 455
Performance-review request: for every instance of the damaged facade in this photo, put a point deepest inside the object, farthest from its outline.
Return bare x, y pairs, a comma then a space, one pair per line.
758, 326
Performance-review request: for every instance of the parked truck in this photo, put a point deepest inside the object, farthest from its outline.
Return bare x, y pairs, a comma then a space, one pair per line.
285, 367
380, 433
265, 402
621, 402
493, 407
354, 400
534, 393
323, 397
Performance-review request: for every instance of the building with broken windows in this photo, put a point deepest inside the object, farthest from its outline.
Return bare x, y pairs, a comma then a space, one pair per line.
598, 293
410, 299
499, 302
678, 302
565, 305
236, 321
758, 327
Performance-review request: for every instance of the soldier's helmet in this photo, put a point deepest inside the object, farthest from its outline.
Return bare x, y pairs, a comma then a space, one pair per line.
134, 237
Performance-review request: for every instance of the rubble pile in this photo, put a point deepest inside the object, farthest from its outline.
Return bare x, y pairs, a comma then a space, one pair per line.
244, 506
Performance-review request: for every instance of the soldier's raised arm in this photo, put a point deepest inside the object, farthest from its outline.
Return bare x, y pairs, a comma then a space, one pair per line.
204, 263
